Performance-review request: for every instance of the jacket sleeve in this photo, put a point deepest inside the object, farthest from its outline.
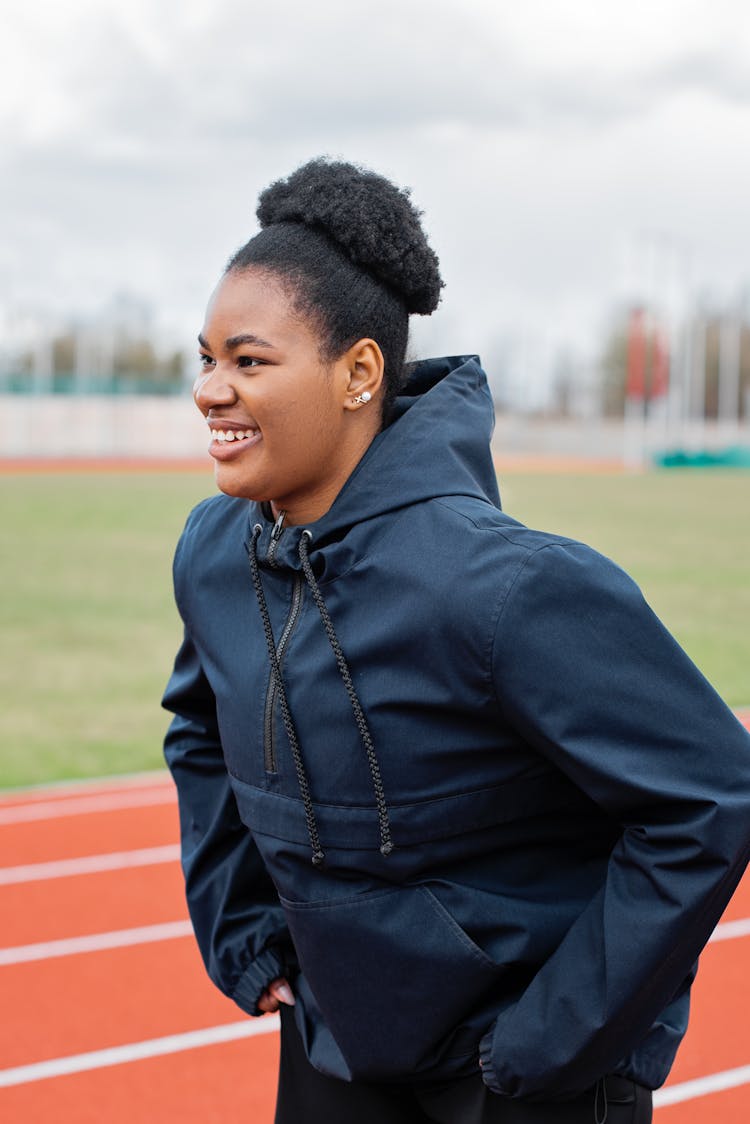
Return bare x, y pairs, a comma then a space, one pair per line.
589, 676
234, 908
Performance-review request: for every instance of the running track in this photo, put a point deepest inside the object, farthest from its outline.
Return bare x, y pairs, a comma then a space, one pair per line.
108, 1014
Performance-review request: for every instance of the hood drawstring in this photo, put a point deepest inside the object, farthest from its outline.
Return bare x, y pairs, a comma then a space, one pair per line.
312, 827
600, 1117
386, 843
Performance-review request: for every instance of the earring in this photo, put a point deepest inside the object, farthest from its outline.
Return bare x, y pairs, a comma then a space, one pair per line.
363, 398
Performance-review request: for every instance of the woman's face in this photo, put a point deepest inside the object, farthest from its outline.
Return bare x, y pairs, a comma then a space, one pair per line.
280, 418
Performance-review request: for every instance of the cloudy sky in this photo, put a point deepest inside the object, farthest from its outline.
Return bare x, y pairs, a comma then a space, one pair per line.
565, 152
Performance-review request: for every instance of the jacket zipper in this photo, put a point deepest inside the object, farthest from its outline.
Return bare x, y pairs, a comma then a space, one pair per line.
269, 752
273, 545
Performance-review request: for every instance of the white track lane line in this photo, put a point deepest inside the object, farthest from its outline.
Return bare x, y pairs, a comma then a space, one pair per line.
137, 1051
702, 1086
170, 930
89, 864
83, 805
729, 930
95, 942
229, 1032
117, 782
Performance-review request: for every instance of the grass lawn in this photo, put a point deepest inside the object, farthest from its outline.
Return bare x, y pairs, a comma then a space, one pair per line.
89, 628
88, 622
684, 535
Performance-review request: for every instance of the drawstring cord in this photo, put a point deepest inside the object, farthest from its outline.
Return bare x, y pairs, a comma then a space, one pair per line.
318, 856
386, 843
601, 1084
312, 827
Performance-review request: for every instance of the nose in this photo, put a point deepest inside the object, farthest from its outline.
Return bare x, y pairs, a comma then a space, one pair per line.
212, 389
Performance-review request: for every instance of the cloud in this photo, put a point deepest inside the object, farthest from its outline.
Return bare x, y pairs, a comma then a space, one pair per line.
164, 85
137, 136
145, 80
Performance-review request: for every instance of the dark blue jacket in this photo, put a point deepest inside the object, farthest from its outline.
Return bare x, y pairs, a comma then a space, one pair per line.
531, 805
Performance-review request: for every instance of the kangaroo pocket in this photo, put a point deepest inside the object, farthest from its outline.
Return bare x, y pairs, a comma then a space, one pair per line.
392, 974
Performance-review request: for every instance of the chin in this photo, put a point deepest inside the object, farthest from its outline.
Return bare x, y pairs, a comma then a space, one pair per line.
232, 485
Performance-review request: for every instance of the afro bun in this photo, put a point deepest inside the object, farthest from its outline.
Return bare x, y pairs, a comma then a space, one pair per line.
373, 222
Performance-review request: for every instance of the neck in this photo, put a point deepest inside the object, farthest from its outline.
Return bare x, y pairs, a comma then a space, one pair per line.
308, 508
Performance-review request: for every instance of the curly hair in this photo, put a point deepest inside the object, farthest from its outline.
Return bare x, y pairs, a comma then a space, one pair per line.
349, 247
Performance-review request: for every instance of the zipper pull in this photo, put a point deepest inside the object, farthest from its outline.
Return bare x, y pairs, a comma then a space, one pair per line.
278, 527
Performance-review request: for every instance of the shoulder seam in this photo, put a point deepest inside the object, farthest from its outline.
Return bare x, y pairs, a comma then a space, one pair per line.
505, 598
508, 533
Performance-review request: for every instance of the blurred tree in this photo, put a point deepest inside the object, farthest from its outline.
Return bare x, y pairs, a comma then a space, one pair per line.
745, 372
563, 386
613, 368
713, 361
134, 357
64, 354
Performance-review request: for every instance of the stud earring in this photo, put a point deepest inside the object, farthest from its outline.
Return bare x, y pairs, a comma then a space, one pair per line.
363, 398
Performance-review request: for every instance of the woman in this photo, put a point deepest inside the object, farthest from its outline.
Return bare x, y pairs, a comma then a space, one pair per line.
451, 797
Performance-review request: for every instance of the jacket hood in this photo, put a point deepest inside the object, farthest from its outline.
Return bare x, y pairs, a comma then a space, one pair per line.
437, 443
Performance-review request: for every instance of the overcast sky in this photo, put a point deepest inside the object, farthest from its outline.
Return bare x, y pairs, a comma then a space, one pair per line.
549, 144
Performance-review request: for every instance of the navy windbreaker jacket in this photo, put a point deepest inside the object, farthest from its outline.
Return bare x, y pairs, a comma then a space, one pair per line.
532, 807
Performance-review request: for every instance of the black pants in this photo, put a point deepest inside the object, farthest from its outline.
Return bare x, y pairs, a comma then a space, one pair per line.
308, 1097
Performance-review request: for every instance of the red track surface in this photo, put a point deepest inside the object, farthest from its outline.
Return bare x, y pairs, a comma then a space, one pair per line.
504, 462
58, 1006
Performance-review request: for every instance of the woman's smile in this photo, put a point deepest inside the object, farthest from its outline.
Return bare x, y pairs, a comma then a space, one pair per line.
230, 439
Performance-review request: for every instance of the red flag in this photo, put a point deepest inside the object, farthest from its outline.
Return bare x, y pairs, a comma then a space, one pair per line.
660, 365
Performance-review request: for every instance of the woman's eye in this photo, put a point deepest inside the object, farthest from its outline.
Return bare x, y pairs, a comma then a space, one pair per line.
248, 361
205, 360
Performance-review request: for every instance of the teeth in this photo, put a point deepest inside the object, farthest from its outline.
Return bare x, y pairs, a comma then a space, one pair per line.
222, 435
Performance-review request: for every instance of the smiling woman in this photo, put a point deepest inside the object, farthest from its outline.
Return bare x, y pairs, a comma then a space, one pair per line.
452, 799
287, 426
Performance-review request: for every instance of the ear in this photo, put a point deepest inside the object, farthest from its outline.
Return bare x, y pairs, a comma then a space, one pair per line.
364, 366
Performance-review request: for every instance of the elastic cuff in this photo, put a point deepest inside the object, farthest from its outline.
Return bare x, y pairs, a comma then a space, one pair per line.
489, 1076
254, 981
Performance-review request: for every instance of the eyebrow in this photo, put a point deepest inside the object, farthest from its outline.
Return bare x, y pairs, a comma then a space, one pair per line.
237, 341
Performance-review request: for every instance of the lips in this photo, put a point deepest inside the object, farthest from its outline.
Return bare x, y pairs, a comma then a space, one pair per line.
229, 438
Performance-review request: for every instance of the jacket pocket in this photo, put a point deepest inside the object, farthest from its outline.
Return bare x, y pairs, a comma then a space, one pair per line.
392, 974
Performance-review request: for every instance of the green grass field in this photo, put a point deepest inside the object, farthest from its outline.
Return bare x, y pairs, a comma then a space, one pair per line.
89, 629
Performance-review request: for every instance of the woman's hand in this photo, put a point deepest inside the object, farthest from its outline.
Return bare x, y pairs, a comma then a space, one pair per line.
277, 992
